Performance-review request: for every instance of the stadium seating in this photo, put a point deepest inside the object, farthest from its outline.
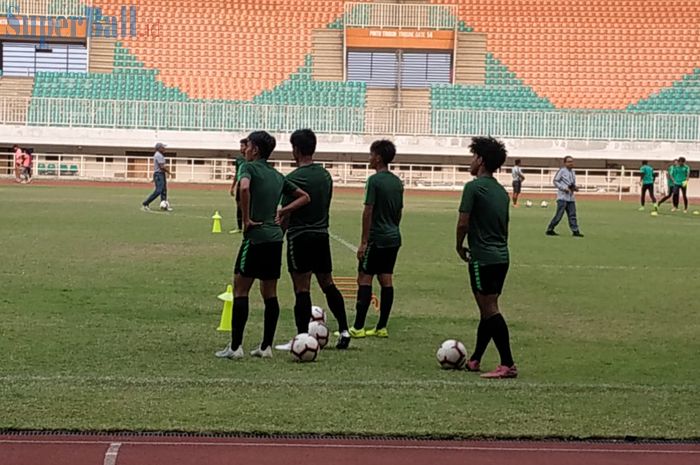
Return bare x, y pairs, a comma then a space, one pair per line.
603, 55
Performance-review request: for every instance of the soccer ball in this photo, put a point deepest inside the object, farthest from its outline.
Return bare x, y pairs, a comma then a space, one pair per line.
304, 348
528, 203
544, 204
319, 331
317, 314
452, 355
164, 205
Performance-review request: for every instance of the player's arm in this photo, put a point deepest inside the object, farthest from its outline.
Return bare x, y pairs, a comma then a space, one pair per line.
366, 225
245, 205
164, 169
559, 182
462, 231
301, 198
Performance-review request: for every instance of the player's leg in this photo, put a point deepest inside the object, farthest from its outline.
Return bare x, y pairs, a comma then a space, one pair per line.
386, 302
364, 297
156, 192
684, 190
516, 192
676, 195
644, 194
651, 193
302, 303
490, 280
558, 215
268, 264
336, 304
164, 188
573, 221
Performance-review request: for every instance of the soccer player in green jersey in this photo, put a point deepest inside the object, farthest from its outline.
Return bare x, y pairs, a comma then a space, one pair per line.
381, 239
669, 183
483, 220
308, 243
681, 173
260, 254
647, 181
234, 191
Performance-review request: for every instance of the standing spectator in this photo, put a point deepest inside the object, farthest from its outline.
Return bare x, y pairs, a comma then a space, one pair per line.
18, 162
565, 182
235, 191
159, 172
518, 178
647, 184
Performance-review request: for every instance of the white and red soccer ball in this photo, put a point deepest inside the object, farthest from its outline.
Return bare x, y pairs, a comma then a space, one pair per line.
452, 355
304, 348
319, 331
317, 314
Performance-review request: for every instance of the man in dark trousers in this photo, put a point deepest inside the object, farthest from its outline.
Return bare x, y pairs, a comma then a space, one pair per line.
159, 173
565, 182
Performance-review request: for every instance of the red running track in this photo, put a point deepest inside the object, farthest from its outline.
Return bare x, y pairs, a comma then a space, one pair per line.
152, 450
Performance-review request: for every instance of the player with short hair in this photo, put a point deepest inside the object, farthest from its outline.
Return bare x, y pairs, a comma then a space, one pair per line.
381, 239
669, 183
681, 173
160, 170
260, 254
483, 220
518, 178
308, 242
238, 163
647, 182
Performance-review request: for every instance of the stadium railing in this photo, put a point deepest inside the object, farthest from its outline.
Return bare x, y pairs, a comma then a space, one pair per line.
220, 171
45, 8
232, 116
397, 15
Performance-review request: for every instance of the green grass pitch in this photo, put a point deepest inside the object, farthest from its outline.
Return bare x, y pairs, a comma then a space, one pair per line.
108, 319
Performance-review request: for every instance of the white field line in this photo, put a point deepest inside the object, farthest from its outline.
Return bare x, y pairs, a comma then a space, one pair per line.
342, 241
112, 453
370, 446
418, 383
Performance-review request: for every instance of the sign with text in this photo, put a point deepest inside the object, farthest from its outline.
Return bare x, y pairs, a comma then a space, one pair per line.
399, 38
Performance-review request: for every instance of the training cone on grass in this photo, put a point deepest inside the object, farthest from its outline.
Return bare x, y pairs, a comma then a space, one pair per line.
216, 227
227, 297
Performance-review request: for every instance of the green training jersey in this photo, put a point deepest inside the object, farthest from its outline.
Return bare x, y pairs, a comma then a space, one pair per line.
384, 191
647, 174
239, 161
669, 175
681, 173
266, 188
316, 181
487, 203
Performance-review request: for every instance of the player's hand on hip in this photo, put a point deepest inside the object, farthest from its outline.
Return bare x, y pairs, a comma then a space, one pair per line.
361, 251
250, 224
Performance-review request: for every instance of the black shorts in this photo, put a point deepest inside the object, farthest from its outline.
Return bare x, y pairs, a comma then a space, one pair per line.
517, 186
309, 252
259, 261
487, 279
378, 260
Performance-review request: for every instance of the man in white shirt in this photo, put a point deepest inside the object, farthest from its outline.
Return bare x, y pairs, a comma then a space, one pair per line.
565, 182
518, 178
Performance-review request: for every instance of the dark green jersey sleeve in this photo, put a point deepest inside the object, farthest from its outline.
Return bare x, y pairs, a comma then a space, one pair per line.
467, 203
288, 188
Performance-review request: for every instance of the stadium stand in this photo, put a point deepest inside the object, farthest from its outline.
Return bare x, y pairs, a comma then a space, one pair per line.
611, 56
